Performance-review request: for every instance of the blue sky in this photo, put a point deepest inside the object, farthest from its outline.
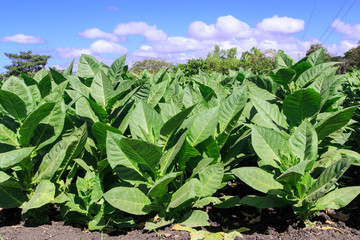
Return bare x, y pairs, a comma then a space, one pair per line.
173, 30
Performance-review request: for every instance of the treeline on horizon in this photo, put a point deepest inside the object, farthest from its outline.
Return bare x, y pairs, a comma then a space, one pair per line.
219, 60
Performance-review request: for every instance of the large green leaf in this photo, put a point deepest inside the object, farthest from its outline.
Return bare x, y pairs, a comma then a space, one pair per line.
283, 60
130, 200
40, 75
77, 85
19, 88
101, 89
186, 193
52, 125
334, 122
13, 105
156, 93
338, 198
304, 142
88, 66
76, 142
44, 194
268, 145
145, 123
301, 104
230, 107
301, 67
203, 126
170, 126
85, 111
171, 151
11, 197
313, 73
270, 113
99, 131
27, 129
141, 152
116, 69
327, 179
195, 218
316, 57
258, 179
44, 85
124, 167
283, 76
210, 178
12, 158
69, 70
160, 187
51, 161
8, 181
291, 173
229, 113
7, 136
57, 77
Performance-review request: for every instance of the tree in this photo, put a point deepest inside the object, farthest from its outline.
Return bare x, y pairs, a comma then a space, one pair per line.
223, 60
316, 46
352, 58
258, 61
26, 63
153, 65
193, 66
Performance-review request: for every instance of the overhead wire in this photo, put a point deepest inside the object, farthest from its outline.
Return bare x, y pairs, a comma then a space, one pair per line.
310, 18
337, 14
334, 28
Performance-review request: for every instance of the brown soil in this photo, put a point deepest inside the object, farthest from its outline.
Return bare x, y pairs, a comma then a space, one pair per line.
268, 224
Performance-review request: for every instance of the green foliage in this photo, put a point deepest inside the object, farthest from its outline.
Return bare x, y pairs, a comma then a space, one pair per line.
152, 65
223, 61
316, 46
25, 62
106, 145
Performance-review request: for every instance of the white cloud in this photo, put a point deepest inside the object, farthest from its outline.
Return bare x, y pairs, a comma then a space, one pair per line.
201, 30
151, 33
232, 27
70, 52
226, 27
281, 24
348, 30
340, 49
177, 45
97, 33
23, 39
103, 46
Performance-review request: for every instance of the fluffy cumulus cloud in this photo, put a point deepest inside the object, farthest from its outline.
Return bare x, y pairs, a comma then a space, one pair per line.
177, 45
97, 33
228, 32
151, 33
69, 52
348, 30
23, 39
281, 24
103, 46
225, 27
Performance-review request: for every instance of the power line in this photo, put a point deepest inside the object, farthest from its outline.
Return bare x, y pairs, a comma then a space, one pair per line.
311, 15
340, 20
337, 14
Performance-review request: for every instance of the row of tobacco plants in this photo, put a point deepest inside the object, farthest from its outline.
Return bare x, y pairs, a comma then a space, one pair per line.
105, 145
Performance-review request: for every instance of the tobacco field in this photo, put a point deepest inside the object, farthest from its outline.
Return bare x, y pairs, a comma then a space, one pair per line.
111, 149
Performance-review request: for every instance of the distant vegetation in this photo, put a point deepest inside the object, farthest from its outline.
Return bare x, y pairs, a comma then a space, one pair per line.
219, 60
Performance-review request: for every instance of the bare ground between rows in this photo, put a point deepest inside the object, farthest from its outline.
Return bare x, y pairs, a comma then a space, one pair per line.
266, 224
